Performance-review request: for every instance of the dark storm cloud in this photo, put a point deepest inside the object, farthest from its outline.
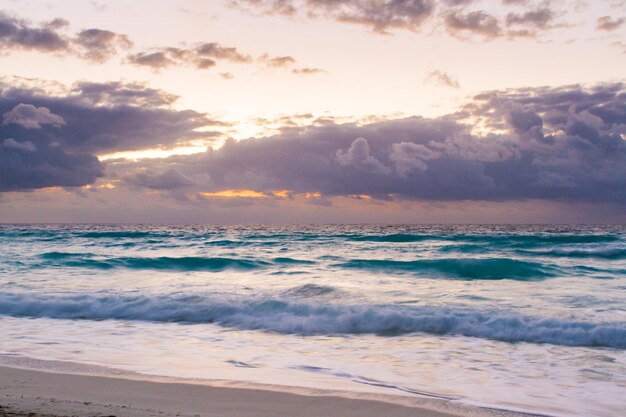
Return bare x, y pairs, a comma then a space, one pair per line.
118, 94
551, 143
167, 180
379, 16
51, 139
112, 116
36, 163
608, 24
24, 166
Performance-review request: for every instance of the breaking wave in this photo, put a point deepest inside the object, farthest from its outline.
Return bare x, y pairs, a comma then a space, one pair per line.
604, 253
163, 263
462, 268
290, 317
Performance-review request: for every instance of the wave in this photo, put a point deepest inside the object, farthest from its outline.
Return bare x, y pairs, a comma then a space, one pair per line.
536, 241
282, 316
464, 248
188, 263
70, 232
464, 268
292, 261
481, 242
461, 268
605, 253
119, 234
225, 242
63, 255
392, 238
532, 238
496, 238
163, 263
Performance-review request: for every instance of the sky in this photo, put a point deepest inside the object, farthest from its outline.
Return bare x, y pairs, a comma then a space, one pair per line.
313, 111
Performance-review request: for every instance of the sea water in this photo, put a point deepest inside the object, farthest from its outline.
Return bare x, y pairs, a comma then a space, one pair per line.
528, 318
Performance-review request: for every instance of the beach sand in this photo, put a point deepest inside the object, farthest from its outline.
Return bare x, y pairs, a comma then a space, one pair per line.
39, 393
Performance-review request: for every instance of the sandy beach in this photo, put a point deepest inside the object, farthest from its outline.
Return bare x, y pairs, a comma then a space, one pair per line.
24, 392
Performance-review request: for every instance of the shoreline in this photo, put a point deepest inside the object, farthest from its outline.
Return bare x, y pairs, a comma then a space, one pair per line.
25, 391
49, 392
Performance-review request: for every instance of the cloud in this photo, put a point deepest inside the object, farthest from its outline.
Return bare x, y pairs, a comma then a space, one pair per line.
514, 2
216, 51
288, 61
118, 94
538, 19
26, 146
455, 3
93, 44
167, 180
358, 156
155, 60
442, 78
205, 56
277, 61
24, 166
307, 71
459, 17
31, 117
201, 56
408, 156
52, 139
608, 24
558, 144
460, 24
100, 45
57, 23
377, 15
19, 34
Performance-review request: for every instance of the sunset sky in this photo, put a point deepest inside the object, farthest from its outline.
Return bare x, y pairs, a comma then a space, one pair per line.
313, 111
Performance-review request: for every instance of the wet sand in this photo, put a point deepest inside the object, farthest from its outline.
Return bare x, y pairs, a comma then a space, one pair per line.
38, 393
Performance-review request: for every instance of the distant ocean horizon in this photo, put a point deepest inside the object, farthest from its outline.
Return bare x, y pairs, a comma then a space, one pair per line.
520, 317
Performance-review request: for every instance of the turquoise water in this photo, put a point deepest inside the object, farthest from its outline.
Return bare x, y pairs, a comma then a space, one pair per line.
517, 317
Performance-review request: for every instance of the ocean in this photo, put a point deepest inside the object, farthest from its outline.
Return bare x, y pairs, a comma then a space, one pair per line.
524, 318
